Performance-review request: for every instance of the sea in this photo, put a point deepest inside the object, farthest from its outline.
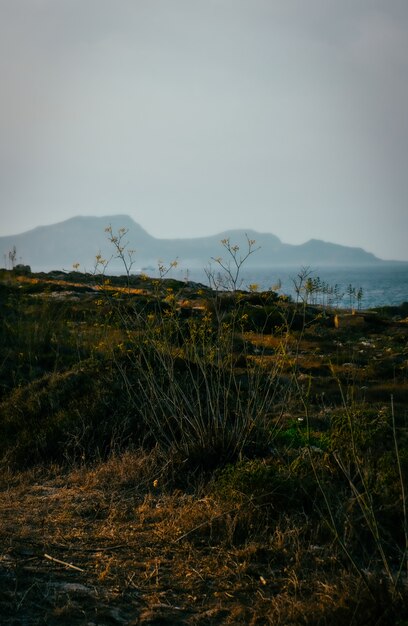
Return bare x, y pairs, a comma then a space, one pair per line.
362, 287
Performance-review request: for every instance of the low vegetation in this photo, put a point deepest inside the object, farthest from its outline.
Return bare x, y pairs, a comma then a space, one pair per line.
173, 453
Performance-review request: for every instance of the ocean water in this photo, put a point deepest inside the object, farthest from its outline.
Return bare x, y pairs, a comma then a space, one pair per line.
381, 285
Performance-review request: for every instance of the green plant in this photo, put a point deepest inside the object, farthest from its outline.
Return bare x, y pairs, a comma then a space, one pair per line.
299, 435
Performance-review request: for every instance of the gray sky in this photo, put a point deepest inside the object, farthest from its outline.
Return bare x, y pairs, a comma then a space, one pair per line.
195, 116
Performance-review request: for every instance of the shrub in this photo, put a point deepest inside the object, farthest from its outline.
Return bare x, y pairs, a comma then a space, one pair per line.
77, 415
190, 380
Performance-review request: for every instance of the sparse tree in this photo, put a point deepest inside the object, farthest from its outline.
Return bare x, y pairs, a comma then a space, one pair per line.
230, 278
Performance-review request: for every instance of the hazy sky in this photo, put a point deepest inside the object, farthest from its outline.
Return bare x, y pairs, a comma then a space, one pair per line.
195, 116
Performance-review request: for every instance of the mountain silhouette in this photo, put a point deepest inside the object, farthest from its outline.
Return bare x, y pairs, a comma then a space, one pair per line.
79, 239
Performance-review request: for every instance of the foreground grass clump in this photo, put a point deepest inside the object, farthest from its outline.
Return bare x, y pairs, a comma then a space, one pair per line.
171, 453
75, 415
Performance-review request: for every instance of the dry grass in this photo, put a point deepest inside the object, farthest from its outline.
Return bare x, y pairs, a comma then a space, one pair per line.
145, 553
156, 534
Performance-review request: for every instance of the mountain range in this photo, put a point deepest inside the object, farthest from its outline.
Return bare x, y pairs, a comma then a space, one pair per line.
79, 239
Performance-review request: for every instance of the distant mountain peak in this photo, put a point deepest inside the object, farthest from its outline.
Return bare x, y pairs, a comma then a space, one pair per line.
116, 221
80, 238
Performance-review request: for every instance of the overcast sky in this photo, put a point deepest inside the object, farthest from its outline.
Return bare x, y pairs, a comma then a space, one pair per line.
195, 116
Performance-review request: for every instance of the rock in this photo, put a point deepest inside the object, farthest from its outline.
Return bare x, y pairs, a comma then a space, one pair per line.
349, 320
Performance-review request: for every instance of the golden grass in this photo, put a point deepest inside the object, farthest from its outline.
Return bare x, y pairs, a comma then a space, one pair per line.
153, 553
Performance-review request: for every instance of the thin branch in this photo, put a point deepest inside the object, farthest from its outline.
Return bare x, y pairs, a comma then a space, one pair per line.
51, 558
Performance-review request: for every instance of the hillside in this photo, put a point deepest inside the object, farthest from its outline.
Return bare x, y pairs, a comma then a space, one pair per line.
80, 239
173, 455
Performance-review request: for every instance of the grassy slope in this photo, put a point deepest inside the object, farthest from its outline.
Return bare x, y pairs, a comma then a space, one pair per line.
303, 525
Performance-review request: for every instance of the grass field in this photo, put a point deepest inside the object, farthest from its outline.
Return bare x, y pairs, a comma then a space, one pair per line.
175, 454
